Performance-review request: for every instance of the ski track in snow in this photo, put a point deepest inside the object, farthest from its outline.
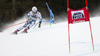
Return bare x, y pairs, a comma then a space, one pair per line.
52, 40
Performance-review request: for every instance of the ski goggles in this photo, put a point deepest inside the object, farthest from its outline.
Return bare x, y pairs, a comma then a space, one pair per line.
34, 11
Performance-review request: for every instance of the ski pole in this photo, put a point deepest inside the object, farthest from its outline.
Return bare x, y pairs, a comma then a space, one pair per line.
12, 25
38, 23
42, 21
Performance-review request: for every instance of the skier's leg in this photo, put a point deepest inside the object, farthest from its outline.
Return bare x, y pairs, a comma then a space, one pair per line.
39, 24
31, 23
17, 30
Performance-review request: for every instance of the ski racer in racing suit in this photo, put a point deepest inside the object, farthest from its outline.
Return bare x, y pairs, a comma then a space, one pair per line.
31, 20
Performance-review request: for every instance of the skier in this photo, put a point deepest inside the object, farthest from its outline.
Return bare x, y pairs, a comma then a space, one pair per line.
31, 20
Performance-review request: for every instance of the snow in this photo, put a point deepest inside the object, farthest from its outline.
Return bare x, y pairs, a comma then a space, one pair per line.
52, 40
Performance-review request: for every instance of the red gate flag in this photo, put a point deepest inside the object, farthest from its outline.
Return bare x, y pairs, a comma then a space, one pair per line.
80, 15
75, 16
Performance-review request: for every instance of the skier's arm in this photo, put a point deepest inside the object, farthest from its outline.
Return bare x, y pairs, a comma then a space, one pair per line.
40, 21
28, 16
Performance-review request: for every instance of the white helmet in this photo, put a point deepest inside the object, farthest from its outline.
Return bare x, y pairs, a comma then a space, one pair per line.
34, 9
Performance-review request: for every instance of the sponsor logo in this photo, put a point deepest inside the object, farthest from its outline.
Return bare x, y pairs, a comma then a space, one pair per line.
78, 14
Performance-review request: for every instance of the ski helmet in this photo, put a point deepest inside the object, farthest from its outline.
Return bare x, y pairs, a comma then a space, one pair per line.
34, 9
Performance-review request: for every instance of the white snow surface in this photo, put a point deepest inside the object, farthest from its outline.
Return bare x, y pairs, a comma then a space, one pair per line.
52, 40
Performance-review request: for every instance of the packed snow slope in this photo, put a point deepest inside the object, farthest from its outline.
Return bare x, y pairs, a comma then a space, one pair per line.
52, 40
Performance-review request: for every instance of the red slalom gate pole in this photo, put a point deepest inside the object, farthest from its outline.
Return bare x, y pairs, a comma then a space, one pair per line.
69, 37
91, 35
86, 3
90, 28
12, 25
67, 4
68, 27
70, 22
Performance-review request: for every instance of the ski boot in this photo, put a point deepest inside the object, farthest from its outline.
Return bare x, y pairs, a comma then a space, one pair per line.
25, 30
39, 26
15, 32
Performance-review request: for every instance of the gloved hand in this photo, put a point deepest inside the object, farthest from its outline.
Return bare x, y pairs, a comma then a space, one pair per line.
28, 17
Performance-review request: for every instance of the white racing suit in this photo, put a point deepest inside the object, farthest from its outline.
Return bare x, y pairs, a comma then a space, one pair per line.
31, 20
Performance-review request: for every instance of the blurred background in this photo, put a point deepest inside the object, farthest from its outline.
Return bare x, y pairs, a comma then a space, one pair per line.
11, 10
